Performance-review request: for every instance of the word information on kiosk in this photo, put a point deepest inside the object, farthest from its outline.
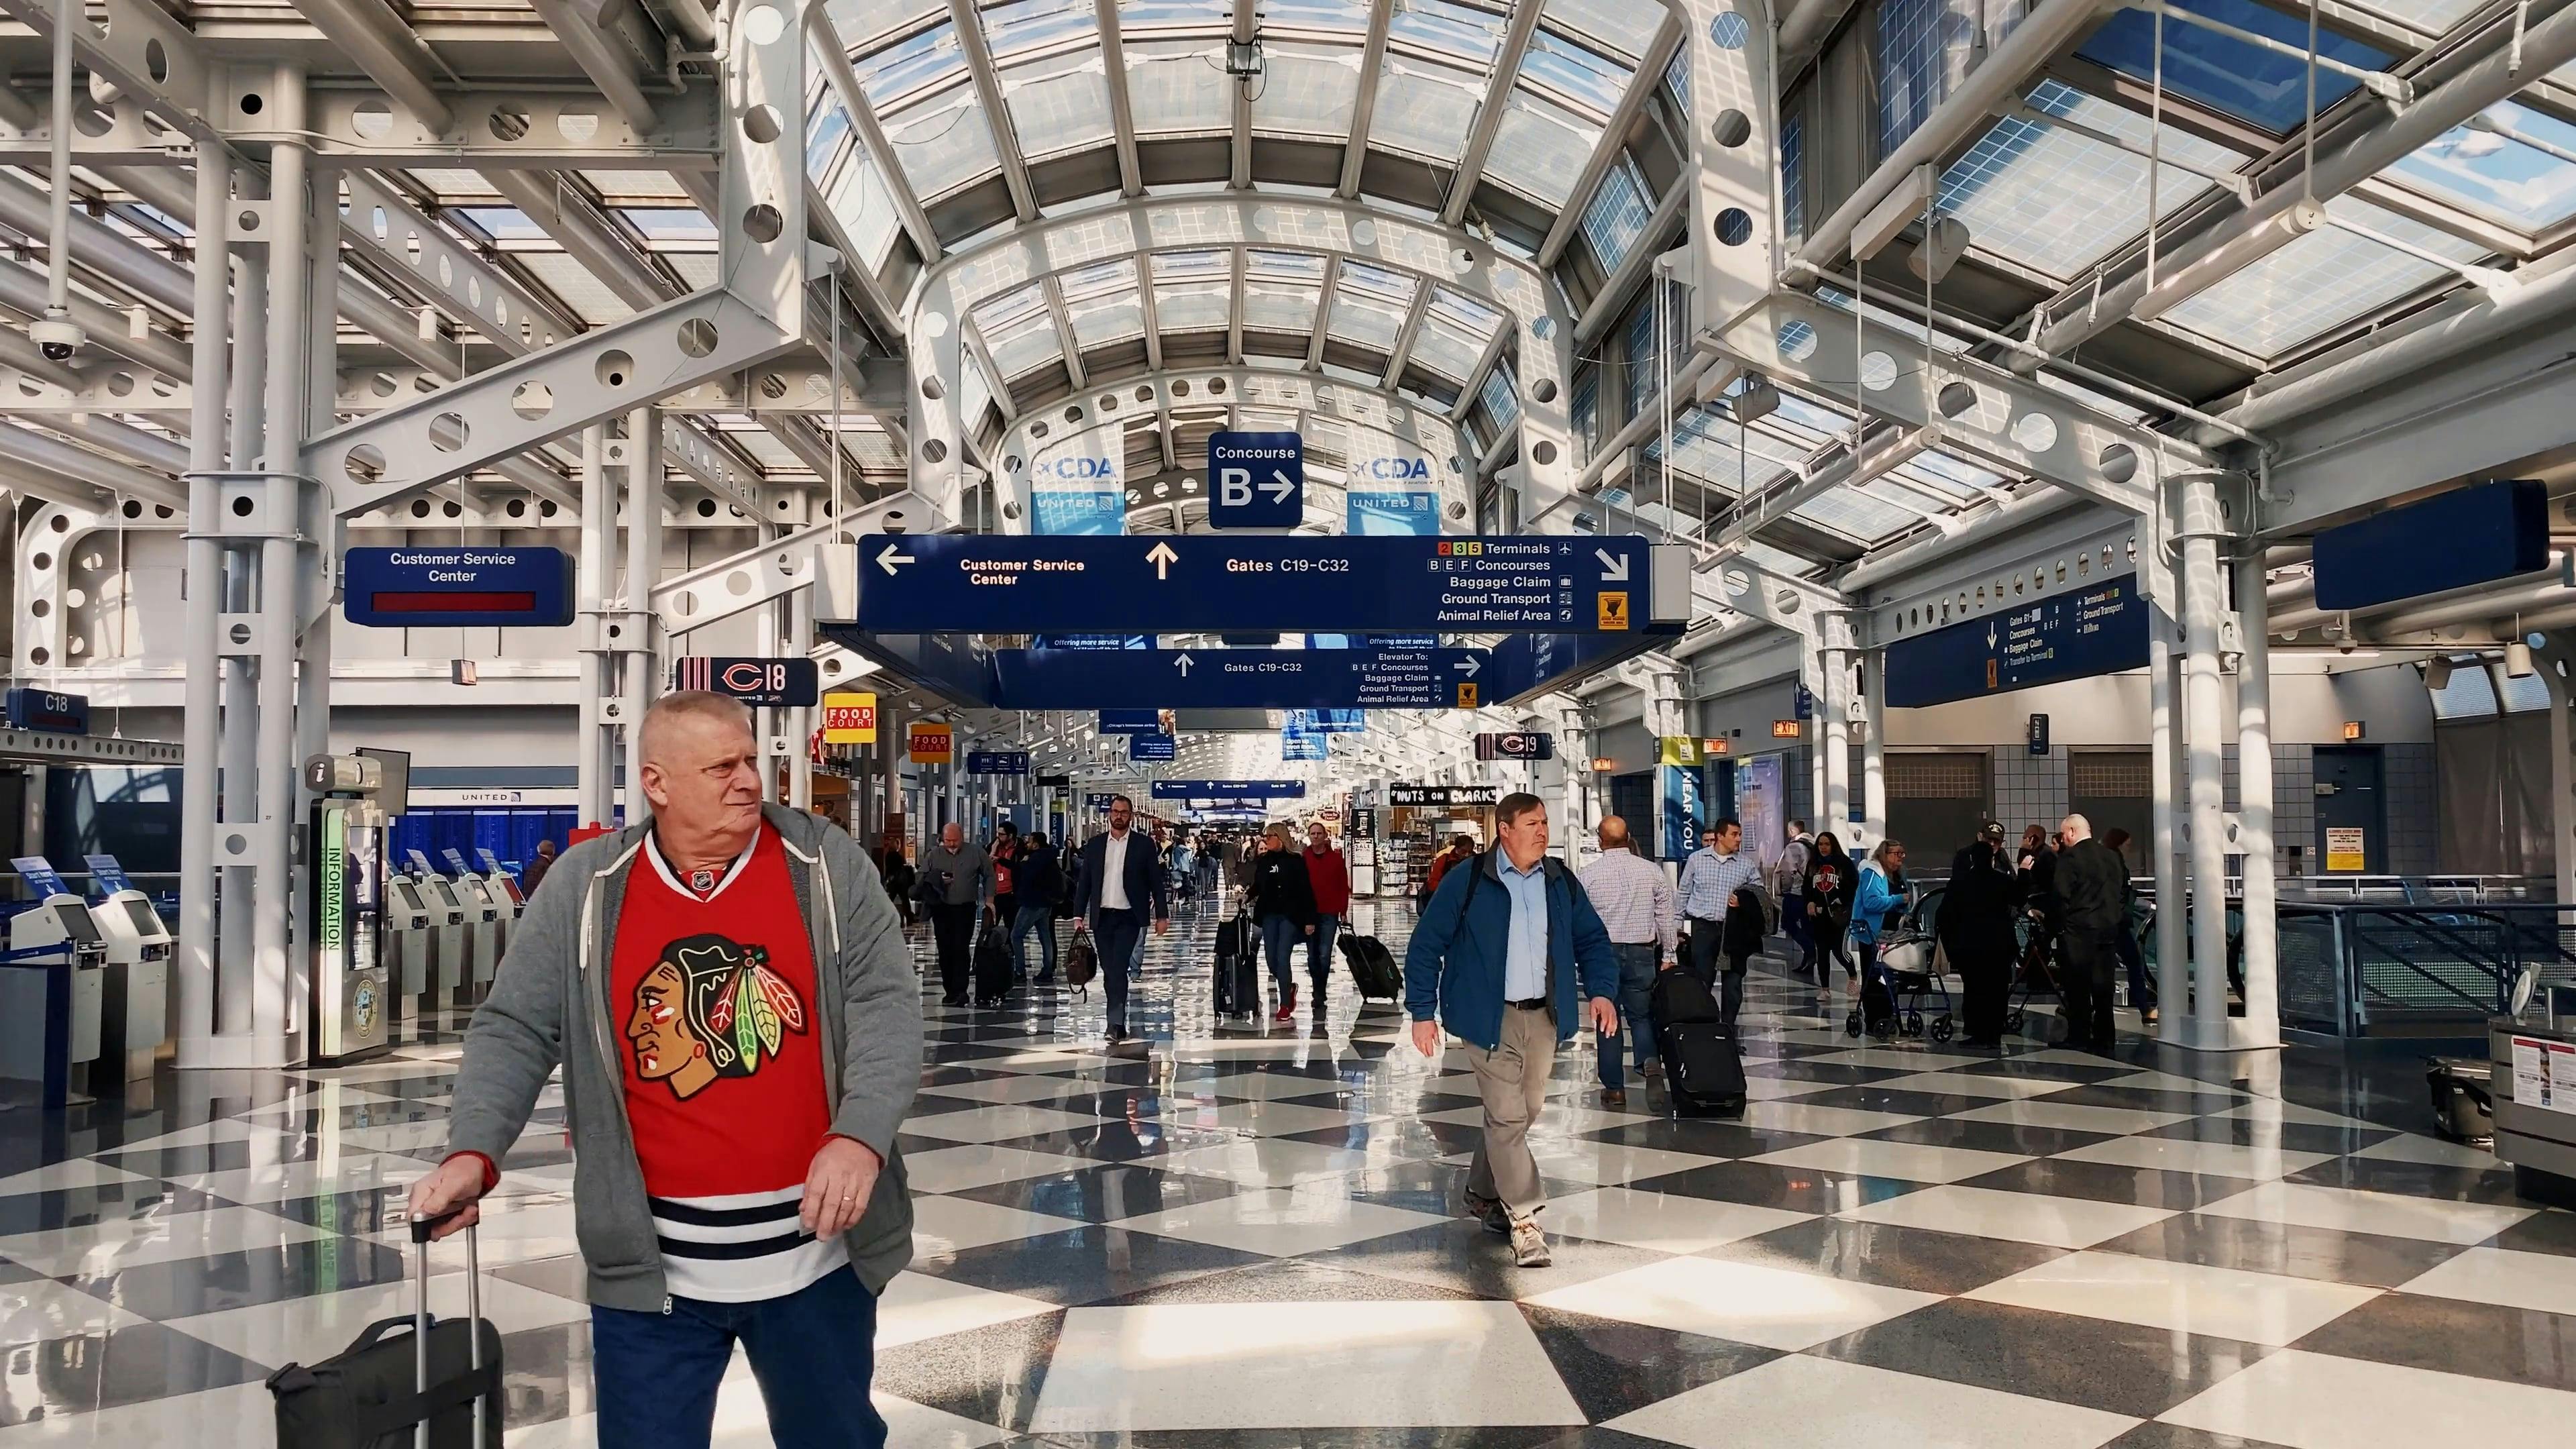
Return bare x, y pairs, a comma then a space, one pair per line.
997, 584
470, 588
2097, 629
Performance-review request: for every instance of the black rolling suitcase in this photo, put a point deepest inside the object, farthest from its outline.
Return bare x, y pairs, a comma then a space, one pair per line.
2463, 1098
437, 1386
1703, 1066
1373, 968
993, 968
1238, 959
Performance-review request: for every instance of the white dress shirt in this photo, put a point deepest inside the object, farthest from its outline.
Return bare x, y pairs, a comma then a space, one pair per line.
1113, 872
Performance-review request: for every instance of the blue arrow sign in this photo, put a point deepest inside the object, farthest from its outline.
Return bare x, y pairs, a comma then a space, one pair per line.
997, 584
2078, 634
1308, 679
1256, 480
1229, 790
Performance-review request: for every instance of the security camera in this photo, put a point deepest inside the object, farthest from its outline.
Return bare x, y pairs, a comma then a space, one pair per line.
58, 339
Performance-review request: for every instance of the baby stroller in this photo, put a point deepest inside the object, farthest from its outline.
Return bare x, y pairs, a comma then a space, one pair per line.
1906, 963
2038, 969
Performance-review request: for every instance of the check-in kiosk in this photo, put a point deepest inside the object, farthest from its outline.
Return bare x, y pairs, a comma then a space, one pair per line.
352, 999
486, 909
505, 889
411, 941
135, 993
448, 981
50, 1007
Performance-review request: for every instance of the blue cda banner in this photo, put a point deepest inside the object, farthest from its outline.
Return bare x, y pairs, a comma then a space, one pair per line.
1301, 745
1328, 721
1382, 513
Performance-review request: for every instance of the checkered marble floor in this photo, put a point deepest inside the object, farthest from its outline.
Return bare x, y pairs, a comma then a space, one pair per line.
1220, 1235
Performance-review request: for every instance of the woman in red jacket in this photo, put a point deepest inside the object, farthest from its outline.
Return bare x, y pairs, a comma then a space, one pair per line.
1329, 877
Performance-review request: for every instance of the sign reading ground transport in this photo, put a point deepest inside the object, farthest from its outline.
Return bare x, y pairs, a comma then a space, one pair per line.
2101, 629
1304, 679
453, 588
999, 583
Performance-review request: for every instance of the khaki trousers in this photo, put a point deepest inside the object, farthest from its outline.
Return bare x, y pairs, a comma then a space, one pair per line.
1512, 1079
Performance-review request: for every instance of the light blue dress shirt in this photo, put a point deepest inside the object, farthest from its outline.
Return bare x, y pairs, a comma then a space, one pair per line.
1525, 958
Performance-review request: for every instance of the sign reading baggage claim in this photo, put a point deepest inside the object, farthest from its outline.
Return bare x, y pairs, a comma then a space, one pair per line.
2097, 629
997, 584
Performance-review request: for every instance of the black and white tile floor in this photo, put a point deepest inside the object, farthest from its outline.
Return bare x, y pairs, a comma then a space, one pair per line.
1246, 1237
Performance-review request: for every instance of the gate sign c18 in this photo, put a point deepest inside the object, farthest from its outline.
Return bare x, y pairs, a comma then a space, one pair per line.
786, 682
46, 710
1256, 480
448, 588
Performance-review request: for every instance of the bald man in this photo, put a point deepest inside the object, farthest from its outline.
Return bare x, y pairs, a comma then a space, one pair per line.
2093, 906
1636, 906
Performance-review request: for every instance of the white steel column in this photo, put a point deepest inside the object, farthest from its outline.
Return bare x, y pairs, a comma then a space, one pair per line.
289, 296
2173, 966
1873, 748
1833, 739
239, 750
591, 763
2262, 1024
202, 589
2204, 730
639, 659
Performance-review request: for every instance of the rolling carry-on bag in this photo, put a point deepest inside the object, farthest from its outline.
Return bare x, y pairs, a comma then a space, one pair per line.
1703, 1066
1373, 968
1238, 962
993, 967
412, 1382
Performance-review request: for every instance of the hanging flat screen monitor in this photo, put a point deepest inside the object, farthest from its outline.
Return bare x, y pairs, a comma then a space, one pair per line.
394, 795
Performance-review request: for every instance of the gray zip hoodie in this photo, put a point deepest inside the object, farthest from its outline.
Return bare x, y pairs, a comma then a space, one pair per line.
550, 1005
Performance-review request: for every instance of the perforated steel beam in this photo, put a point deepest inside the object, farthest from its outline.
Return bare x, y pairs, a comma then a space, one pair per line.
565, 212
837, 72
1364, 107
389, 51
1122, 109
428, 257
755, 316
145, 53
1613, 143
494, 129
968, 28
1518, 31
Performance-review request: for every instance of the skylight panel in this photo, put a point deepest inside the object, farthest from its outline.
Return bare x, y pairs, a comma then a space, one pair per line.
2322, 280
1425, 108
2509, 162
1059, 104
1178, 86
2220, 71
1309, 90
1540, 148
2052, 198
1579, 73
1626, 27
924, 62
861, 22
1024, 25
1471, 36
943, 143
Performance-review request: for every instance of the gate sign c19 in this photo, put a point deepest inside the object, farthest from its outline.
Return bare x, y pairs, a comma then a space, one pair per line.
1256, 480
780, 683
1525, 745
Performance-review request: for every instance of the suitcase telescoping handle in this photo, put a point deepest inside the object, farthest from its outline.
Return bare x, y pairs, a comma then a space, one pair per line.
421, 1230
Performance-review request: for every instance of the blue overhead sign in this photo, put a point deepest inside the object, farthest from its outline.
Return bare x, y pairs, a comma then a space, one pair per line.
1229, 790
448, 588
2478, 534
997, 762
998, 584
2074, 635
1297, 745
49, 711
1329, 721
1128, 721
1303, 679
1149, 749
1256, 480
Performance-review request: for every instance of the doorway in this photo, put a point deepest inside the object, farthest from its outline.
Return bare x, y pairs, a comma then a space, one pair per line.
2352, 811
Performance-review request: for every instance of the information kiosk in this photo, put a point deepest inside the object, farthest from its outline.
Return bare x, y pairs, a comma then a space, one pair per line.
345, 843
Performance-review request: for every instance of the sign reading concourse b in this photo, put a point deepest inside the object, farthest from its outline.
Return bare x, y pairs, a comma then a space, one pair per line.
998, 584
1256, 480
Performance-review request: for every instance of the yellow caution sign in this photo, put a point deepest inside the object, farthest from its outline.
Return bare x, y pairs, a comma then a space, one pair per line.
1466, 694
1614, 611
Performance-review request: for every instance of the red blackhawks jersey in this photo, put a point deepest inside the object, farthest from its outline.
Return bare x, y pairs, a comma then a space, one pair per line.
712, 980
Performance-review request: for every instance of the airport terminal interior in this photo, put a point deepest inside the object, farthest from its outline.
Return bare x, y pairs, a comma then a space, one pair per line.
2007, 436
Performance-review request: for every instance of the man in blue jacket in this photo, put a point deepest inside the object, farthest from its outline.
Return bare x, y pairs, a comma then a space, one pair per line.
1507, 952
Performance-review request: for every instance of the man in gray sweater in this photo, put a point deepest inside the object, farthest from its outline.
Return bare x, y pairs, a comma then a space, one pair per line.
739, 1029
956, 876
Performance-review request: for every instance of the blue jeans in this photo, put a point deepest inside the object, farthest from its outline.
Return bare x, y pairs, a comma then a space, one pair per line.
1636, 988
1040, 921
1117, 936
1279, 938
1319, 952
813, 1352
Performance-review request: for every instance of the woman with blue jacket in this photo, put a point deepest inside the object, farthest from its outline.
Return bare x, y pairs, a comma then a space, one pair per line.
1875, 906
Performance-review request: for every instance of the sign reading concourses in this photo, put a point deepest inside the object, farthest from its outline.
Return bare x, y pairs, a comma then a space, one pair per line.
1000, 584
2097, 629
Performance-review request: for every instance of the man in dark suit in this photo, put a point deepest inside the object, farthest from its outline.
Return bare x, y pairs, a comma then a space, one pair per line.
1122, 879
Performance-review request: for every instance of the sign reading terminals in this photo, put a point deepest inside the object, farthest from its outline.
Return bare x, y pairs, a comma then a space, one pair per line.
1256, 480
446, 588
